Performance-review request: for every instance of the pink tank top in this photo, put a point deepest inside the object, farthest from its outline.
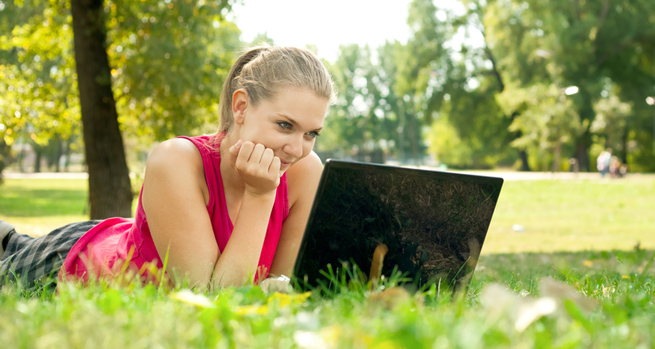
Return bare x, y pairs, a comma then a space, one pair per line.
103, 250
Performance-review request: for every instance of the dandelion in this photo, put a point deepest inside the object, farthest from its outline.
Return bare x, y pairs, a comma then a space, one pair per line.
588, 263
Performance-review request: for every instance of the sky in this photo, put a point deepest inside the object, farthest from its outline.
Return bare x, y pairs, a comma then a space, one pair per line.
325, 24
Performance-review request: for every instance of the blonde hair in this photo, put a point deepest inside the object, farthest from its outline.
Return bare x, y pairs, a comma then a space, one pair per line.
262, 71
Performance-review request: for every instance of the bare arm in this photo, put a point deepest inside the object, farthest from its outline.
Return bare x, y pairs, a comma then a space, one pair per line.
260, 170
175, 198
303, 181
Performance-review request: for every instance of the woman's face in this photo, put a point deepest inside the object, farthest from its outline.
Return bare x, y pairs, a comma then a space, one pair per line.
288, 123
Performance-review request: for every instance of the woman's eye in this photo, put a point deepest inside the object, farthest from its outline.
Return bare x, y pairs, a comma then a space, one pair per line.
284, 125
313, 134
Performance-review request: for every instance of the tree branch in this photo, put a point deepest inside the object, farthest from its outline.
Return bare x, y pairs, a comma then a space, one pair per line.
494, 68
601, 21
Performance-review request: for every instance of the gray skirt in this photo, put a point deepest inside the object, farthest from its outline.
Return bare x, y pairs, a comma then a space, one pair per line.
35, 262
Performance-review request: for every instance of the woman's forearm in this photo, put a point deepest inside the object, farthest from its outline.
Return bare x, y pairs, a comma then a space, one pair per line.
240, 258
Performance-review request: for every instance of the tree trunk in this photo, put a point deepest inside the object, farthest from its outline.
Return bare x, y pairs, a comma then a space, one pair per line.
624, 143
582, 151
523, 156
413, 140
58, 153
583, 142
556, 157
37, 159
4, 156
67, 154
110, 191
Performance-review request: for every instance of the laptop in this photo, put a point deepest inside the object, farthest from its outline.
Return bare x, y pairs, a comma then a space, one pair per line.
426, 226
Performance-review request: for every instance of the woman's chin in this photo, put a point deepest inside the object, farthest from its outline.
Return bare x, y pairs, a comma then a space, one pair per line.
284, 167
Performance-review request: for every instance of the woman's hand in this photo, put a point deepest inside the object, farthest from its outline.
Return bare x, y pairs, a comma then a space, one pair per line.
258, 167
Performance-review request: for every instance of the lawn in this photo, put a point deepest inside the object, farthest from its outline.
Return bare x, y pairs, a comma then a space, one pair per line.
577, 273
574, 215
37, 206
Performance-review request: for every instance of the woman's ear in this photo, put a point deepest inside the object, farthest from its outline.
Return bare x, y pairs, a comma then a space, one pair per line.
239, 105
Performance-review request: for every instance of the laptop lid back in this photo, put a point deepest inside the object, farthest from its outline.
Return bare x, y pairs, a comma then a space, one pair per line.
433, 223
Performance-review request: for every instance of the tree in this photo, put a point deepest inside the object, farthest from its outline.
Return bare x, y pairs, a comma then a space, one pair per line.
548, 122
581, 43
611, 123
417, 78
170, 60
37, 79
357, 122
110, 191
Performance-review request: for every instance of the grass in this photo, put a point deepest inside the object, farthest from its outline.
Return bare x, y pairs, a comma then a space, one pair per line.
573, 215
37, 206
611, 279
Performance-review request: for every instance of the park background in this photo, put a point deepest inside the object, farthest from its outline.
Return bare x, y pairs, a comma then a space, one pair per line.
510, 88
523, 85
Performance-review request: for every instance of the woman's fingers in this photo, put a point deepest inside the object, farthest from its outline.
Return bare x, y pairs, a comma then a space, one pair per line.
234, 149
267, 157
257, 165
250, 156
275, 166
244, 154
257, 153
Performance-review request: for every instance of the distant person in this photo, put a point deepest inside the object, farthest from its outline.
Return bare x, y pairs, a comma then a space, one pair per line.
603, 161
222, 208
614, 167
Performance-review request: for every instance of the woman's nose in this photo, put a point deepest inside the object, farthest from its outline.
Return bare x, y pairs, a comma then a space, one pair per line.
294, 146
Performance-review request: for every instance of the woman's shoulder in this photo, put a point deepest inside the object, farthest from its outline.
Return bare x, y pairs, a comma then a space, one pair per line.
175, 162
175, 153
307, 167
303, 177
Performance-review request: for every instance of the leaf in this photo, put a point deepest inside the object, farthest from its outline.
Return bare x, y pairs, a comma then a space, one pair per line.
532, 310
284, 300
189, 297
562, 291
110, 301
573, 310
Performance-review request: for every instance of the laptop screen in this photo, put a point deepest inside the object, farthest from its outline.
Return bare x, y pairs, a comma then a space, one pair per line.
432, 223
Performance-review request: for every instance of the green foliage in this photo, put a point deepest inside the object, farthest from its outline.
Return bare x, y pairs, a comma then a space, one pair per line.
547, 123
493, 75
359, 122
169, 61
446, 144
37, 78
471, 130
584, 44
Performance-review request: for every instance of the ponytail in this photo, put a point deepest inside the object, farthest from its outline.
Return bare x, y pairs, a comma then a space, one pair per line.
226, 117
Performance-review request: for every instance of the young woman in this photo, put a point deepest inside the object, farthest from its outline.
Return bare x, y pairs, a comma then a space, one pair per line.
221, 209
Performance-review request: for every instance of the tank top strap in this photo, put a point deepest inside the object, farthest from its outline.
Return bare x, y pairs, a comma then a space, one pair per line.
208, 146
